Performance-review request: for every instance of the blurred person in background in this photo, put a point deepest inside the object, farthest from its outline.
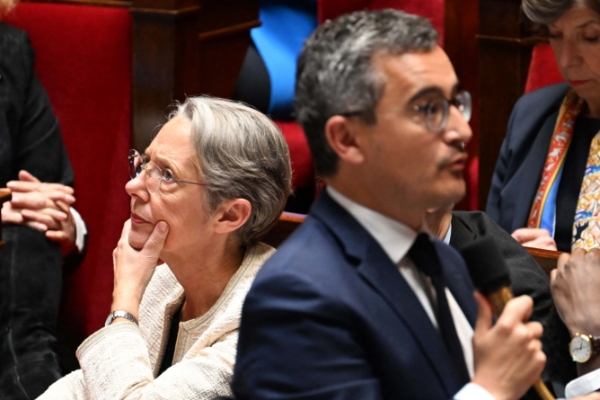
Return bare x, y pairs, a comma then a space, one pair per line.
41, 231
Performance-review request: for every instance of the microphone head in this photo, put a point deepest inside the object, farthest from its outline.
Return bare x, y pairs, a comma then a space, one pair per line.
486, 265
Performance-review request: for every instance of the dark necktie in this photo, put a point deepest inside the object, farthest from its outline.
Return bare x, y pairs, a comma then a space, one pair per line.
426, 259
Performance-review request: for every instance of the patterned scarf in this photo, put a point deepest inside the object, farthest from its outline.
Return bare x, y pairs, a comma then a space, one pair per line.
586, 227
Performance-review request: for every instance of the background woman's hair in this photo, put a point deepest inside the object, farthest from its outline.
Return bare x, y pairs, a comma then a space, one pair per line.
241, 154
545, 12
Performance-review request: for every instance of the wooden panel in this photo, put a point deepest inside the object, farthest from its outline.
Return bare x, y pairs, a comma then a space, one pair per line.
288, 222
505, 45
547, 259
183, 48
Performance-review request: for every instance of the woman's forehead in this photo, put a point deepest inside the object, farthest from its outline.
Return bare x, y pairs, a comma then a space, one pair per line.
173, 141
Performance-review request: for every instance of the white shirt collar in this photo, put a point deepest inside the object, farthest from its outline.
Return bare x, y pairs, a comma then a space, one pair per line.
394, 237
448, 235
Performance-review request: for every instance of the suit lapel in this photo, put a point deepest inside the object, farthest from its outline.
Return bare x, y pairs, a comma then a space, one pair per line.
382, 275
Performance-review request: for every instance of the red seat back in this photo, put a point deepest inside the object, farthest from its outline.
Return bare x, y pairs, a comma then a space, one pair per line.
83, 58
543, 70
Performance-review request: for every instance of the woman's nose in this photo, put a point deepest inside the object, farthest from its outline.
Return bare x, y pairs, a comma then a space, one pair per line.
569, 55
136, 187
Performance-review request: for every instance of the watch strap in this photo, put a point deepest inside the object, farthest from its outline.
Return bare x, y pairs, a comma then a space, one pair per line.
120, 314
595, 340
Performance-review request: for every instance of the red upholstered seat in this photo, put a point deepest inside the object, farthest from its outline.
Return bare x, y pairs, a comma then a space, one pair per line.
543, 70
84, 62
302, 169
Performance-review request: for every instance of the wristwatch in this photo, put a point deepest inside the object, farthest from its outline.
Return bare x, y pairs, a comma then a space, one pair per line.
583, 347
119, 314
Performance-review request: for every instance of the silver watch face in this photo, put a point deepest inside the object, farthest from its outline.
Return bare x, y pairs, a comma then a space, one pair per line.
581, 348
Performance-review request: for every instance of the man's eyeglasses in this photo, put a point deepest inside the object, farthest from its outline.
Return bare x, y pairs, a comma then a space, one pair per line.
435, 111
154, 175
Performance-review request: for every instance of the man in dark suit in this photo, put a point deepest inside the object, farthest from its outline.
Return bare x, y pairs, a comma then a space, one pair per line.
461, 228
359, 303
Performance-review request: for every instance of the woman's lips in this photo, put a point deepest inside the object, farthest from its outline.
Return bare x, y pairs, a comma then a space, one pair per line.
575, 83
136, 219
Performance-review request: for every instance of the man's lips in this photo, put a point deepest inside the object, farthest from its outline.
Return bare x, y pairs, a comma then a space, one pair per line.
136, 219
458, 162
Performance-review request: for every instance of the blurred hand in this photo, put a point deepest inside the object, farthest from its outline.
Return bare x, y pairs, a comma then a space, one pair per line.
533, 237
42, 206
591, 396
508, 356
134, 268
575, 287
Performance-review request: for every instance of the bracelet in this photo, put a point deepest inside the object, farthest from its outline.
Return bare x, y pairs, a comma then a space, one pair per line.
120, 314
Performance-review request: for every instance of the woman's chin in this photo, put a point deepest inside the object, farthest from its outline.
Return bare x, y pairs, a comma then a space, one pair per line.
137, 240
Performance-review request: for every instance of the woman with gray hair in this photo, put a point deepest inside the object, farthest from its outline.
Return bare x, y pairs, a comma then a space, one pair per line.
543, 188
211, 183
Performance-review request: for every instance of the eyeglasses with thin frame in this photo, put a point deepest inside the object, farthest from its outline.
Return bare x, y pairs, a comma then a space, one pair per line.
154, 175
435, 111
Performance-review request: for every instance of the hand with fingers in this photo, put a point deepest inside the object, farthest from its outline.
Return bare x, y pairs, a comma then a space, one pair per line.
533, 237
574, 284
508, 355
42, 206
134, 268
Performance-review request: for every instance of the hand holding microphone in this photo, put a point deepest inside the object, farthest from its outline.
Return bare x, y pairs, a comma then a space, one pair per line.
508, 355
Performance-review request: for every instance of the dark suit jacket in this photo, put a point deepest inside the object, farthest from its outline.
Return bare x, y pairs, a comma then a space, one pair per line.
29, 132
329, 316
526, 275
522, 156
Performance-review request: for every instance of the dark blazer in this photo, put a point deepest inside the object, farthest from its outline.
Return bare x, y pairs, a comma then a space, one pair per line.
329, 316
522, 156
30, 264
526, 275
29, 132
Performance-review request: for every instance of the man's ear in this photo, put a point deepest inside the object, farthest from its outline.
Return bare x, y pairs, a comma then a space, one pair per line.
231, 215
341, 133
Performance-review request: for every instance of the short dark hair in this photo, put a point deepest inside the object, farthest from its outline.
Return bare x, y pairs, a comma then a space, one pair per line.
545, 12
336, 74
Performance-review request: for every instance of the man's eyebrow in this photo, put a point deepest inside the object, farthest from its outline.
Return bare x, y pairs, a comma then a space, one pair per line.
433, 90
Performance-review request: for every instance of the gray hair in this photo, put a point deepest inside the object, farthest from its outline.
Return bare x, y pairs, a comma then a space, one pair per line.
241, 154
336, 73
545, 12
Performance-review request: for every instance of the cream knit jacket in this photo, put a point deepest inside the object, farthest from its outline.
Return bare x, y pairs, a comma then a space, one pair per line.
121, 361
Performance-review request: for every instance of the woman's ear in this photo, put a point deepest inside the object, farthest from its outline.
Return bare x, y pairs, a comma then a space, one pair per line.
231, 215
341, 133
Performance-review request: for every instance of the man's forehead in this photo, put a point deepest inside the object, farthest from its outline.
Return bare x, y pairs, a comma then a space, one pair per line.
411, 72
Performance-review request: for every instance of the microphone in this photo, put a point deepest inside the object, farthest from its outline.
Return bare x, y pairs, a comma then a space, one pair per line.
491, 277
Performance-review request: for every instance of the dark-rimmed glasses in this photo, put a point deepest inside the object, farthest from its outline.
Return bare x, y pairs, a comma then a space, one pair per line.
154, 175
435, 111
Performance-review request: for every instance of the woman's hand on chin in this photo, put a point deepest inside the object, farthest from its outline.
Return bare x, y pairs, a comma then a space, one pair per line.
134, 267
